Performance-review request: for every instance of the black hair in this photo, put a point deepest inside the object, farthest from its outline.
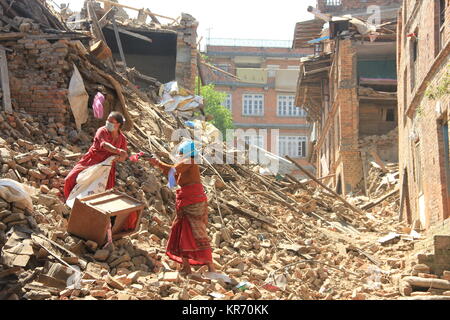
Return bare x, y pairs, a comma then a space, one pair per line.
118, 116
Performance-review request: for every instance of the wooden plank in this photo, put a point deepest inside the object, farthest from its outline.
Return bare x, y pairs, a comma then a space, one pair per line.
427, 283
5, 81
249, 213
11, 36
347, 204
133, 34
365, 172
10, 271
147, 11
106, 17
57, 257
380, 200
119, 43
7, 8
427, 298
151, 15
97, 31
378, 160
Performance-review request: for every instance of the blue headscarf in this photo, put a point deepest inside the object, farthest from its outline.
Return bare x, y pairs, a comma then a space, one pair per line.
188, 149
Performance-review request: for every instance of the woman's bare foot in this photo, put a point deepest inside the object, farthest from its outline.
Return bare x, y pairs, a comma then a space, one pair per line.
211, 267
186, 267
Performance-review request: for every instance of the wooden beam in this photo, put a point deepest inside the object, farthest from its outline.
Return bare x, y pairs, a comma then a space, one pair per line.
378, 160
5, 81
7, 8
220, 70
119, 43
380, 200
10, 22
134, 34
135, 9
152, 16
427, 283
97, 31
347, 204
104, 20
200, 73
11, 36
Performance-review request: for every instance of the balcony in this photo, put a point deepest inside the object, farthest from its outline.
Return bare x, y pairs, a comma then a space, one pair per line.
286, 80
252, 75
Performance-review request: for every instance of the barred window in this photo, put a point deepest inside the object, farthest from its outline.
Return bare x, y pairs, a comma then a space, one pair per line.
253, 105
294, 147
287, 108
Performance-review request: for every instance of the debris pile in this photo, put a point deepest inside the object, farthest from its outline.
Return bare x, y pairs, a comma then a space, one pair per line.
382, 177
271, 238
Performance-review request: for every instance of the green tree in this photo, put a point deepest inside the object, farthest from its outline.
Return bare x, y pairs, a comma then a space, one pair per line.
213, 101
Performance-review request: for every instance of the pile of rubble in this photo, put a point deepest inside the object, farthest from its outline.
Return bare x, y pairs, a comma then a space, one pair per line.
271, 238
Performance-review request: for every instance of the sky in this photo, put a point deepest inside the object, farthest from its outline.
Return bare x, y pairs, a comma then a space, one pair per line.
236, 19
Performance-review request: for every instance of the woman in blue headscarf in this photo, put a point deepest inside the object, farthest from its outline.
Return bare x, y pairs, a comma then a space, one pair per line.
189, 243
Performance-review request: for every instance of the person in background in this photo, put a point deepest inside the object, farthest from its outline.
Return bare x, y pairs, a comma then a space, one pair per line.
108, 141
188, 243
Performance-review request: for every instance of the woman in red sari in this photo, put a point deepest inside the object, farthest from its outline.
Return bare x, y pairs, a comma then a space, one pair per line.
189, 243
108, 141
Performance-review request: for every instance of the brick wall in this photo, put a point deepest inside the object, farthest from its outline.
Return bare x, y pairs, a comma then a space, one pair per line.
39, 77
347, 164
423, 124
186, 69
270, 116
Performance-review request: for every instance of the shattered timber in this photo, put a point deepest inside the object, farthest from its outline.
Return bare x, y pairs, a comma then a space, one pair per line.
272, 237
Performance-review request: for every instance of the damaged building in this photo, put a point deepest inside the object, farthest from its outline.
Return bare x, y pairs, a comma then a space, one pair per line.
349, 88
423, 106
165, 52
272, 237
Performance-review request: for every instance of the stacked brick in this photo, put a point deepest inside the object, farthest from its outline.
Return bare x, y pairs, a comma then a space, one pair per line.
186, 51
39, 76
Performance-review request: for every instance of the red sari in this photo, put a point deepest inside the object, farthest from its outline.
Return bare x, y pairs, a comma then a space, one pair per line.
96, 155
188, 237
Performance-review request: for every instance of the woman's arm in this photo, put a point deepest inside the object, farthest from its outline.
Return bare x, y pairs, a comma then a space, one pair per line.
110, 148
163, 166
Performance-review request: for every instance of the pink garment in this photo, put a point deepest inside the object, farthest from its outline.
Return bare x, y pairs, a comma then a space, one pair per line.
97, 106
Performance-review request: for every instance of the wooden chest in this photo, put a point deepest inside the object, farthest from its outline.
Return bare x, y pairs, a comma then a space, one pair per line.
91, 215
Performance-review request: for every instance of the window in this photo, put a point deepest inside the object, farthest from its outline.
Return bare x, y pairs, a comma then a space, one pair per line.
418, 166
294, 68
224, 67
318, 48
390, 115
442, 7
414, 56
248, 65
287, 108
294, 147
255, 141
228, 101
333, 3
253, 105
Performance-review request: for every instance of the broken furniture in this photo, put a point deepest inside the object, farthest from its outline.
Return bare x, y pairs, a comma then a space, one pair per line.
91, 216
